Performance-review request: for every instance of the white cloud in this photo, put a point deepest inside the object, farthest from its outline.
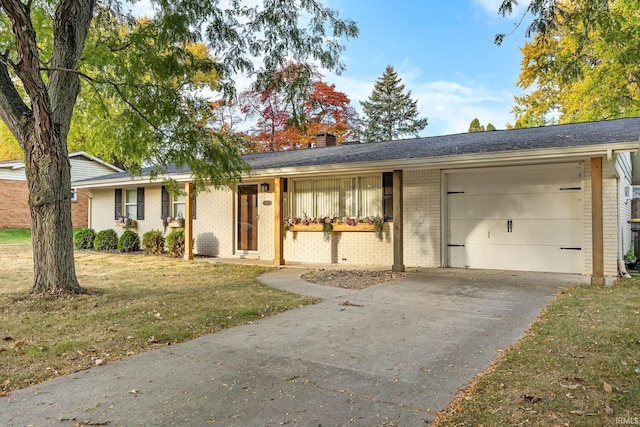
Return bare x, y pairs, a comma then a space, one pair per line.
448, 105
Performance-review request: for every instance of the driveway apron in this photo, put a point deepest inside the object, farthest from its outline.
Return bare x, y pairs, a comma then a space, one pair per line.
391, 354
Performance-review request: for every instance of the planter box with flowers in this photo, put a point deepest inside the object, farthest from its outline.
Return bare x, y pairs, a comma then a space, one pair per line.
172, 222
306, 227
126, 223
328, 225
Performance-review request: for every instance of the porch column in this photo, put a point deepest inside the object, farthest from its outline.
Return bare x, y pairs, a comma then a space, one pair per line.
398, 238
278, 246
597, 229
188, 221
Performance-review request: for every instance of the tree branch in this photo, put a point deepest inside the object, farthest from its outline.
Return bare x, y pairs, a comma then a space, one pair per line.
13, 111
71, 26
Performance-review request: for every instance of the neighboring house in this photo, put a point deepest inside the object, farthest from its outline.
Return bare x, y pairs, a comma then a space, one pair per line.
14, 210
540, 199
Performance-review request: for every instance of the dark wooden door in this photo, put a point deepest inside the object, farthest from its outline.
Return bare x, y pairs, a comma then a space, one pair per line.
247, 218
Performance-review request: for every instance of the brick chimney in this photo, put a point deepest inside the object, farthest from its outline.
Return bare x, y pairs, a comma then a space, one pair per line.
325, 140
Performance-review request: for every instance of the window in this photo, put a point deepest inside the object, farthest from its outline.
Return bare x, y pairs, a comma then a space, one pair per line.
74, 194
129, 204
174, 206
178, 209
344, 197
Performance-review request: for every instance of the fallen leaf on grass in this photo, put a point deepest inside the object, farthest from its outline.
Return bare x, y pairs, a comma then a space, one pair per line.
570, 386
608, 409
531, 398
607, 388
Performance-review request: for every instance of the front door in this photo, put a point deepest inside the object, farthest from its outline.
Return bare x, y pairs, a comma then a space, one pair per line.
247, 218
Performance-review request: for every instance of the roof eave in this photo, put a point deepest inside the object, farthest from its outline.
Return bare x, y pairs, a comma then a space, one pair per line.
515, 157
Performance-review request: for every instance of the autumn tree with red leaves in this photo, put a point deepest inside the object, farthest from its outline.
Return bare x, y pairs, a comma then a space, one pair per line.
286, 122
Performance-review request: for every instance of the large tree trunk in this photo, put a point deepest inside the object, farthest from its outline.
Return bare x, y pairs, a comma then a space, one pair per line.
49, 182
41, 128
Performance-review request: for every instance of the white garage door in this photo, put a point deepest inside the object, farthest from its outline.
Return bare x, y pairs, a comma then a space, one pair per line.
516, 219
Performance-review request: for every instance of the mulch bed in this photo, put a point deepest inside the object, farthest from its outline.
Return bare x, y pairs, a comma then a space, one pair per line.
350, 279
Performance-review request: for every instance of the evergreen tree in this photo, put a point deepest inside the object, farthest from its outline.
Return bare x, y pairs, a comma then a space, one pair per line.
389, 113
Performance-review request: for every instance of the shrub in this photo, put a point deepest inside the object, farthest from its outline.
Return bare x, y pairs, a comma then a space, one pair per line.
129, 241
83, 238
175, 243
153, 242
106, 240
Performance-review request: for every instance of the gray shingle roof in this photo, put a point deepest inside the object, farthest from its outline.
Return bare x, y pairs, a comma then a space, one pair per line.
560, 136
499, 141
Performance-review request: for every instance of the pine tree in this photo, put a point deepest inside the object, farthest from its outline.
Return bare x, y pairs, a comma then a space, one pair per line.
389, 113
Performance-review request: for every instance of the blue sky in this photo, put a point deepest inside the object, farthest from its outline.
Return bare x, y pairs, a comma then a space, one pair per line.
444, 52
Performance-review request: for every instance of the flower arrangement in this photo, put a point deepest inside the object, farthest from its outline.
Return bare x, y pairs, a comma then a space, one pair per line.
166, 220
329, 223
125, 221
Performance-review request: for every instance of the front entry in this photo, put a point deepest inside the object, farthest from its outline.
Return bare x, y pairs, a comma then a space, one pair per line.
247, 231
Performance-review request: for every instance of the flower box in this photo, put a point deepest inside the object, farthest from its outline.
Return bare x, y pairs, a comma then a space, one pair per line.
308, 227
174, 224
132, 224
360, 226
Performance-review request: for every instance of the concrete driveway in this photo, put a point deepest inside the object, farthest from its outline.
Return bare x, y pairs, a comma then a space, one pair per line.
396, 354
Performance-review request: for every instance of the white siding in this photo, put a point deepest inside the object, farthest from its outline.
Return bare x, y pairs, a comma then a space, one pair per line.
84, 168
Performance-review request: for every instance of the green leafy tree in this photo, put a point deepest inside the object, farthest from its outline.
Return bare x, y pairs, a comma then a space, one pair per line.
582, 63
582, 70
389, 112
156, 119
476, 126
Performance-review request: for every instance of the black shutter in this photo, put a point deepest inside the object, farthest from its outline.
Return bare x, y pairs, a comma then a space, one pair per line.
118, 204
387, 195
193, 207
140, 204
166, 203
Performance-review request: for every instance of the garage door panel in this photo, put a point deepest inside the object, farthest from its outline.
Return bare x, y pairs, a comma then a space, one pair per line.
559, 232
521, 258
515, 206
516, 182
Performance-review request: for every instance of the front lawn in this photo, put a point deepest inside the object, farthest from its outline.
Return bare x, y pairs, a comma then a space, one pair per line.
135, 303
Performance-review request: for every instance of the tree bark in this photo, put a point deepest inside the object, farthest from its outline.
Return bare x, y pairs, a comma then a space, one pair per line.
41, 130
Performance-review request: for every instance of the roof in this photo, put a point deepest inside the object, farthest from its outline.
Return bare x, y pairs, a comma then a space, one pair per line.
624, 134
19, 163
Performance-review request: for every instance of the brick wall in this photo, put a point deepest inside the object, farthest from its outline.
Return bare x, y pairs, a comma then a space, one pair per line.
422, 218
14, 209
610, 204
348, 248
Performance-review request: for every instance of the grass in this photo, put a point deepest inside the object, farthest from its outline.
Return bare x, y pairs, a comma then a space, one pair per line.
135, 303
579, 364
15, 235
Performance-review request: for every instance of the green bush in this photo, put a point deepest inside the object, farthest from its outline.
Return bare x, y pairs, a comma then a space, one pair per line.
83, 238
129, 241
153, 242
175, 243
106, 240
